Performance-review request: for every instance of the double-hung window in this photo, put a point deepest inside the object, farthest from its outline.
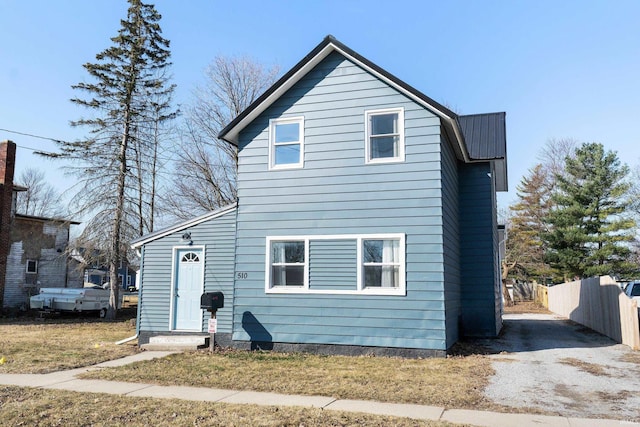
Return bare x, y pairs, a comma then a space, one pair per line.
288, 263
349, 264
381, 263
286, 143
384, 135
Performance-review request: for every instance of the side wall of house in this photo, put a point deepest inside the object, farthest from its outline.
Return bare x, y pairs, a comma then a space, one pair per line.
336, 193
217, 235
451, 241
497, 283
44, 242
479, 251
75, 276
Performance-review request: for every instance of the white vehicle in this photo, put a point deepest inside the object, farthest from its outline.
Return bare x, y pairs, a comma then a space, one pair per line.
633, 290
93, 298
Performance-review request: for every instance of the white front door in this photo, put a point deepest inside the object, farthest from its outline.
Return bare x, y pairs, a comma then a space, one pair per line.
187, 315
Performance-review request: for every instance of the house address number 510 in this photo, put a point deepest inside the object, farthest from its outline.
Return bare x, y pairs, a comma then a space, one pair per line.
242, 275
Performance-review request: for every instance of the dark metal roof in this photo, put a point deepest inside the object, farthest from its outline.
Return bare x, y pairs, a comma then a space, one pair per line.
485, 135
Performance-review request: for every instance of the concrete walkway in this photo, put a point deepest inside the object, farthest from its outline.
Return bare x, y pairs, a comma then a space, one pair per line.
66, 380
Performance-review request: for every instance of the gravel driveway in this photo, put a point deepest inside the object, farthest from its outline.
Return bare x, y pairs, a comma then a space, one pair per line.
547, 362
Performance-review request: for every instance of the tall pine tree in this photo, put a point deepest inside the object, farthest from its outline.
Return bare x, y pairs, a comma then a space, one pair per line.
525, 246
125, 77
590, 225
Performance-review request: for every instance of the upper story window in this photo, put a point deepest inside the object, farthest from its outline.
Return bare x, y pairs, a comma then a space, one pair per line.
32, 266
384, 135
286, 143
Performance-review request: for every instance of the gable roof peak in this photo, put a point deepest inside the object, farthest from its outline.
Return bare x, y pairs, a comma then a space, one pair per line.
455, 127
322, 50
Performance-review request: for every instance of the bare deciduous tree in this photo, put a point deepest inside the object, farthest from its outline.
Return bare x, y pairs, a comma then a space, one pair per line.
40, 198
553, 154
634, 192
206, 166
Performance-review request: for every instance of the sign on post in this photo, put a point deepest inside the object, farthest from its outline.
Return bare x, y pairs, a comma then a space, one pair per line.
213, 325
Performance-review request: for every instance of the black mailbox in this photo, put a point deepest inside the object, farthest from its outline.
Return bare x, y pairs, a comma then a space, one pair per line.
212, 300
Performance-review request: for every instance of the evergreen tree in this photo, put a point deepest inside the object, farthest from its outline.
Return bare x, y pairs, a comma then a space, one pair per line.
126, 76
591, 227
525, 246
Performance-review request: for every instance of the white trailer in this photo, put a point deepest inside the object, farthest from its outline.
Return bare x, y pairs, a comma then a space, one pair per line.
72, 299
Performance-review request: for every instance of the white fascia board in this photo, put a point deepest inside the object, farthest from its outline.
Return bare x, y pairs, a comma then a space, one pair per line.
416, 99
183, 225
232, 135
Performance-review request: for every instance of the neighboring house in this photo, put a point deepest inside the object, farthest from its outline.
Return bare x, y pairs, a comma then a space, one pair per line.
95, 269
365, 222
33, 250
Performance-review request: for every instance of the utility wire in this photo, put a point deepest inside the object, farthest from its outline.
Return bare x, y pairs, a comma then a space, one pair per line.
35, 136
35, 150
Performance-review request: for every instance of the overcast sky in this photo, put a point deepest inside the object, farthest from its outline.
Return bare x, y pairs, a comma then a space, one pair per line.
560, 69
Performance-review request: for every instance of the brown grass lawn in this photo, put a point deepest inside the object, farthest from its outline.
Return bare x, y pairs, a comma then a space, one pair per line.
38, 346
47, 345
452, 382
30, 407
526, 307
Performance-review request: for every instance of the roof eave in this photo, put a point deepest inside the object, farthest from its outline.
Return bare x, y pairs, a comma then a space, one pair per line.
141, 241
231, 132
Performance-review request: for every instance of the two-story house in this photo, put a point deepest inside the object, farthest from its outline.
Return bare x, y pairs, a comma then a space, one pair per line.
365, 221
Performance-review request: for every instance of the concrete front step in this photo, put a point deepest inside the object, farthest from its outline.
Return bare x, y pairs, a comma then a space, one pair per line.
175, 342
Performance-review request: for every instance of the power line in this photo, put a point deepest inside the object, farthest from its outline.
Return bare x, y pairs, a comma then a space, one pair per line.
35, 150
59, 141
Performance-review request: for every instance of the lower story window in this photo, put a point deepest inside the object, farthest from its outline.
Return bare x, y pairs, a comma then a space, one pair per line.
288, 263
381, 263
367, 264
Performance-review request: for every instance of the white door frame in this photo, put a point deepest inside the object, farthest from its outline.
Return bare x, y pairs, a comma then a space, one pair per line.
172, 289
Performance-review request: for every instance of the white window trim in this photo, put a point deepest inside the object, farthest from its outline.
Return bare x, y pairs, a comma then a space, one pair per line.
27, 266
174, 260
272, 143
401, 290
401, 265
286, 289
401, 143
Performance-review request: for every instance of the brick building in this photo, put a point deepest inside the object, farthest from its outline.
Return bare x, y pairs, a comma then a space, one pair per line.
33, 250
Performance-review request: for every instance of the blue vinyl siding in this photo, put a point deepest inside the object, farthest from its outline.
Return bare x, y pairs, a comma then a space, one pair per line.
336, 193
451, 239
478, 250
332, 265
218, 238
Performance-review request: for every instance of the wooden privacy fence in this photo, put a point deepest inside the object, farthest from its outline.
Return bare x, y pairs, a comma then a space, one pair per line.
599, 304
541, 294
